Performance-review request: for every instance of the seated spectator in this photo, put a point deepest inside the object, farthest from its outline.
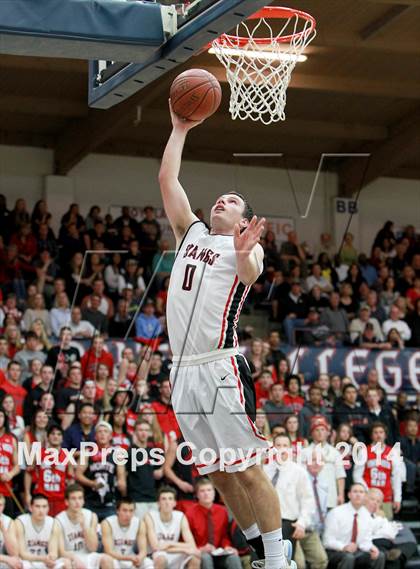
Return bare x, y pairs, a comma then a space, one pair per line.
86, 395
94, 316
396, 541
381, 413
344, 442
82, 430
327, 269
4, 351
256, 359
312, 408
106, 305
295, 310
211, 535
94, 356
15, 421
394, 321
348, 252
164, 411
313, 333
275, 408
355, 279
326, 245
410, 447
38, 327
335, 318
406, 280
47, 271
367, 270
413, 294
13, 338
347, 300
333, 470
148, 327
376, 310
172, 548
316, 278
63, 355
28, 353
10, 384
358, 325
291, 253
35, 393
388, 295
80, 329
351, 411
60, 314
386, 476
292, 428
37, 430
262, 423
120, 325
370, 341
124, 538
36, 309
293, 397
349, 532
262, 387
10, 307
180, 473
394, 340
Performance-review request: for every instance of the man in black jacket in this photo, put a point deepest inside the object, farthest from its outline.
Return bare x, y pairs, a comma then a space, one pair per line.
295, 310
352, 412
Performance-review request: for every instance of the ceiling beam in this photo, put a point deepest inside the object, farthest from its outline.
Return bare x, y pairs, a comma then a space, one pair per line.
383, 21
345, 84
291, 127
54, 107
401, 148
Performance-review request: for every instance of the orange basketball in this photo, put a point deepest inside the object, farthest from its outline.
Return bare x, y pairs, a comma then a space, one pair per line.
195, 94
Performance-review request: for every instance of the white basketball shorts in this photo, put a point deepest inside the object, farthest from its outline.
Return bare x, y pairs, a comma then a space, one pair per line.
214, 402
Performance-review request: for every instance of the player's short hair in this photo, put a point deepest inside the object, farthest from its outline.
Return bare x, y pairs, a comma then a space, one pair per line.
203, 481
166, 490
72, 489
126, 500
37, 497
248, 211
54, 427
378, 425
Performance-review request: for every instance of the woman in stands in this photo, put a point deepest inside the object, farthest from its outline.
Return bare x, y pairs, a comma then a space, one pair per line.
292, 427
16, 422
344, 443
38, 328
262, 424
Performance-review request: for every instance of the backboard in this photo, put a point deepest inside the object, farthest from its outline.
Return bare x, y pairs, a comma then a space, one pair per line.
188, 26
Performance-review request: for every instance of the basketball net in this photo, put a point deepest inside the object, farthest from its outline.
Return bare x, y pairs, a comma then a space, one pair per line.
259, 63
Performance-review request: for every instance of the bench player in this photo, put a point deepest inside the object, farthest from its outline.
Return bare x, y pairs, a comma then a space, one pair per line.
8, 545
123, 534
212, 389
165, 528
79, 533
37, 536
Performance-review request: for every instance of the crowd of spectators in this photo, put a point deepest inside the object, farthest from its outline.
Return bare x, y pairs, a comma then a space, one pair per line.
60, 386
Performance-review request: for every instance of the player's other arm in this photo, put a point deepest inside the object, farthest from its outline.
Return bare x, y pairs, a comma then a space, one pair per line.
175, 201
249, 253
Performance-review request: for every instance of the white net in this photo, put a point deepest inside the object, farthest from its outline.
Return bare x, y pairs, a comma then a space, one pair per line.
259, 70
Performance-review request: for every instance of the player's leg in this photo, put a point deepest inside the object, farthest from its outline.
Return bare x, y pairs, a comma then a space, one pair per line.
104, 561
160, 560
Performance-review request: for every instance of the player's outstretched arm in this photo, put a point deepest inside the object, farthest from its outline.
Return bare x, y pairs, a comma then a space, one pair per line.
175, 201
249, 253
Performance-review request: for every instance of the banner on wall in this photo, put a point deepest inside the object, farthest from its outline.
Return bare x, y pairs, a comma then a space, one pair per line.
396, 369
280, 226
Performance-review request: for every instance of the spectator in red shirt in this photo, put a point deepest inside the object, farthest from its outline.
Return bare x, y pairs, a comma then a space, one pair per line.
164, 411
413, 294
94, 356
12, 386
209, 524
25, 243
262, 387
293, 397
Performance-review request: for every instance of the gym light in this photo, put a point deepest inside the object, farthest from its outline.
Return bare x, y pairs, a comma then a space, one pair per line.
268, 55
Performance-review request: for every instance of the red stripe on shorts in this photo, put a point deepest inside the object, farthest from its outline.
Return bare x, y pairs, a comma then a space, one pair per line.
228, 303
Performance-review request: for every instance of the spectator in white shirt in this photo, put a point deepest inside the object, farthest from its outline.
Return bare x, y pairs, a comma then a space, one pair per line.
80, 328
358, 325
60, 315
292, 483
333, 471
348, 534
394, 321
316, 278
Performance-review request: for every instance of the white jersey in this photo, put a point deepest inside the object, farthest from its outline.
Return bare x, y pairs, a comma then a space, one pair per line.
73, 534
205, 296
124, 539
6, 523
37, 540
167, 531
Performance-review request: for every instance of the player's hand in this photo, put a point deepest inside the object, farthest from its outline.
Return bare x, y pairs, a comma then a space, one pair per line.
396, 506
231, 551
351, 548
208, 548
14, 563
245, 242
136, 560
186, 487
179, 123
374, 552
299, 532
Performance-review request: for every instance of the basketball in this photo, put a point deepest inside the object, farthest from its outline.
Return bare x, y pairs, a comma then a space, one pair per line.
195, 94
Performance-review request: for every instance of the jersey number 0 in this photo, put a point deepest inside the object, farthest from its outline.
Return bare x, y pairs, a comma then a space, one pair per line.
188, 277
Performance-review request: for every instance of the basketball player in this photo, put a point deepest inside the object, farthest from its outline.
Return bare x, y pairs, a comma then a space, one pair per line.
122, 534
213, 392
38, 537
78, 539
165, 528
50, 480
8, 544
